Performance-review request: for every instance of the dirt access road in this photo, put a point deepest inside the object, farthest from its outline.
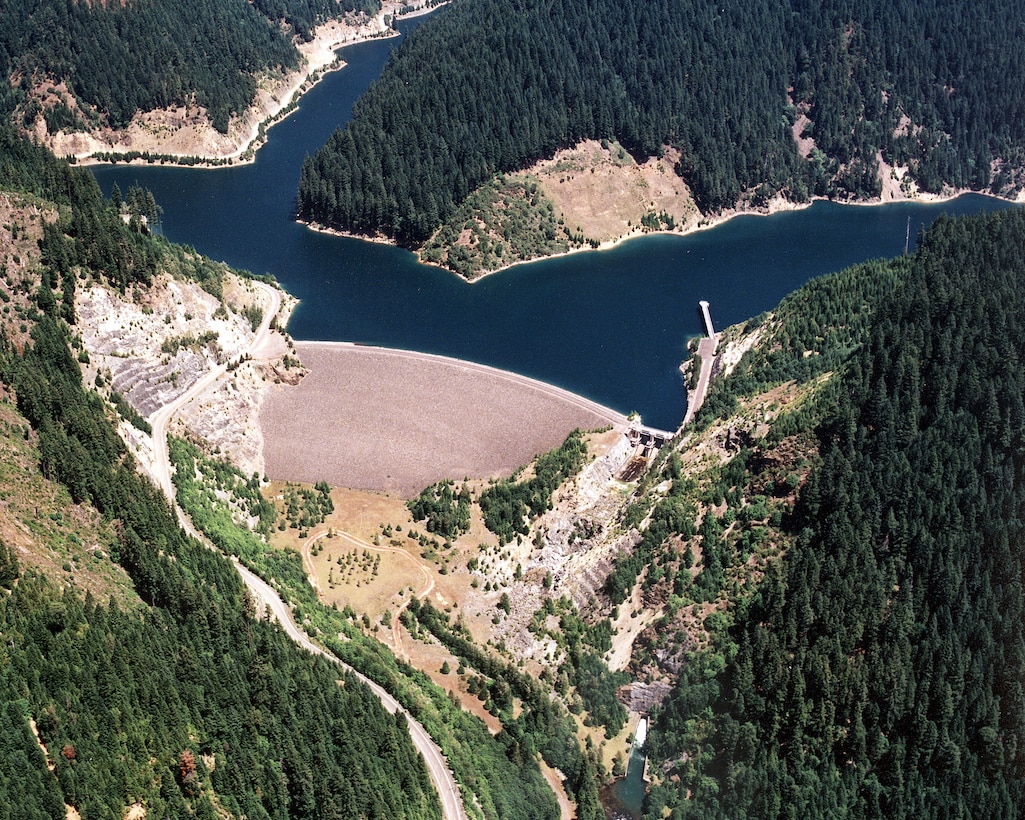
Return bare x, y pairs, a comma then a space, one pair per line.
160, 469
441, 775
706, 352
359, 543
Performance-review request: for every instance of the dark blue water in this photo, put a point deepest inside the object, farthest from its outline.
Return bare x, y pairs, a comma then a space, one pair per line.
610, 325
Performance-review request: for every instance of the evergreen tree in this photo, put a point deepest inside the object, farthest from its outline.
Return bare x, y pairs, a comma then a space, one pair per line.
876, 672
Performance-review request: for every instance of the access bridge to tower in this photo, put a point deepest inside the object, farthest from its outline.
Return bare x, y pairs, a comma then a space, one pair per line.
706, 354
650, 439
647, 440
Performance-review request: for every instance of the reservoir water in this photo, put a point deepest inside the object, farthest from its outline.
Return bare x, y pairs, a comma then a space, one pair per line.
610, 325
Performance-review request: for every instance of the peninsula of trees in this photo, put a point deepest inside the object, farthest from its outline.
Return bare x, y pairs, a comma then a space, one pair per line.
491, 86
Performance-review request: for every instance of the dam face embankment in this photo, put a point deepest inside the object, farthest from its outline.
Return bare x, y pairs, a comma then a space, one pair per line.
394, 420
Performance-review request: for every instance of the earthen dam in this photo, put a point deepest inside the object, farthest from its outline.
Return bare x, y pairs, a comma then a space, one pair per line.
394, 420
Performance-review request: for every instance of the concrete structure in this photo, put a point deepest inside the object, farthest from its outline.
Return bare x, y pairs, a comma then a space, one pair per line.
706, 353
709, 330
650, 438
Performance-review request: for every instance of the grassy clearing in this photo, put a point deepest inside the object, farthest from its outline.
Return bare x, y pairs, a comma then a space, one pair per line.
373, 581
404, 555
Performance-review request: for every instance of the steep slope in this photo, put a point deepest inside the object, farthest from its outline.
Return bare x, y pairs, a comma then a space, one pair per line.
867, 88
876, 671
816, 592
173, 699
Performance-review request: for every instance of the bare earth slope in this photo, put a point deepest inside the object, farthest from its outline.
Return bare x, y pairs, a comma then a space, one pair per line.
372, 418
605, 192
154, 345
186, 131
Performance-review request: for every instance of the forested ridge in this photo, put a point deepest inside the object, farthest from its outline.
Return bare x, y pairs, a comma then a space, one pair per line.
878, 669
186, 704
491, 86
245, 723
120, 58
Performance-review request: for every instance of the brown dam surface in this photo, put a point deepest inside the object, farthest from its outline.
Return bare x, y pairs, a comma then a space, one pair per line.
393, 420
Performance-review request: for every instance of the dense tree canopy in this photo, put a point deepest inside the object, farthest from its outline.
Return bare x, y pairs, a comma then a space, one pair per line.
493, 85
194, 676
878, 670
232, 731
187, 704
120, 58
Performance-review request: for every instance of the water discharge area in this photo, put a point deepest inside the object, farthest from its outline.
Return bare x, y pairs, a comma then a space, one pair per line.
610, 325
625, 798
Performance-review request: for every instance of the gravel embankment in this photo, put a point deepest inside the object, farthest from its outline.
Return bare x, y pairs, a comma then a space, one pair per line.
378, 419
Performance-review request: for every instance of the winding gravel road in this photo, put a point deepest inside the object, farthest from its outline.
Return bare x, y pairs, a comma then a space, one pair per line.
441, 775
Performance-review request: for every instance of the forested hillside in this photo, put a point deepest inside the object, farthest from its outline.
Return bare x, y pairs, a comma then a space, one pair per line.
492, 85
119, 58
877, 671
183, 702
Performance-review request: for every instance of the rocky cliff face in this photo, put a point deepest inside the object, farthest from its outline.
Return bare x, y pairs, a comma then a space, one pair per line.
151, 345
574, 545
580, 540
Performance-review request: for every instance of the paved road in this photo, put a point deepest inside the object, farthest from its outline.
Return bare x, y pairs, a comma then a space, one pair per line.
441, 775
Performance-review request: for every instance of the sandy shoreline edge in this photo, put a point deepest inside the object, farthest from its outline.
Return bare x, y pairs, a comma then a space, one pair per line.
172, 137
249, 132
708, 222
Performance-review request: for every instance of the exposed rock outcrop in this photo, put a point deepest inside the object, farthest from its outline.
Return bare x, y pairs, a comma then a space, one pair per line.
576, 544
643, 697
152, 344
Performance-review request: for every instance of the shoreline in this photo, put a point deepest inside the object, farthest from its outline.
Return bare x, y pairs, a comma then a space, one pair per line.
704, 223
248, 132
376, 239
